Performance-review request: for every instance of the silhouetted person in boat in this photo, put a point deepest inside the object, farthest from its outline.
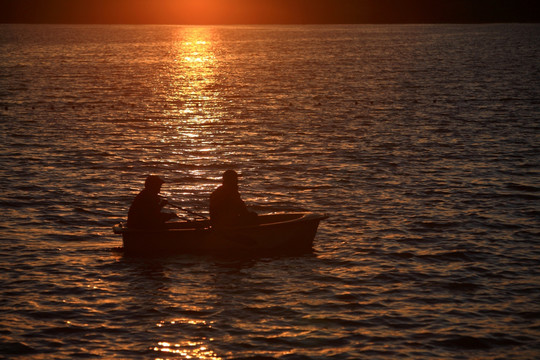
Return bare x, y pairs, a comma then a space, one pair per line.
145, 211
226, 207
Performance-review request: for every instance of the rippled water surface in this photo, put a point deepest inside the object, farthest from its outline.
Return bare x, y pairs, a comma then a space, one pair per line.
422, 142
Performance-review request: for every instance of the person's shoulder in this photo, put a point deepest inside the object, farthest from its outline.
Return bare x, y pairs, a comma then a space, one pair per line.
139, 195
217, 192
145, 195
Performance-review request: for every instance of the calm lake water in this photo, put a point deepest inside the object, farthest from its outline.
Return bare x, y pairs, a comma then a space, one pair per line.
422, 142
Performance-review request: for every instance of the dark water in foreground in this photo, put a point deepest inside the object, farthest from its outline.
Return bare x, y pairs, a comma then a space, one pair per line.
422, 142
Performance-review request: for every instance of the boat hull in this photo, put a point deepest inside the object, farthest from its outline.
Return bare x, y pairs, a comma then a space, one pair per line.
275, 233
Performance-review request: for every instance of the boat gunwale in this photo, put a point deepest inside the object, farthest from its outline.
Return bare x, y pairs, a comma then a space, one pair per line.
121, 228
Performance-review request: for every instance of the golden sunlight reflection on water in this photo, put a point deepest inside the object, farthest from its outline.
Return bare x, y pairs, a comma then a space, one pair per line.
193, 76
194, 102
187, 349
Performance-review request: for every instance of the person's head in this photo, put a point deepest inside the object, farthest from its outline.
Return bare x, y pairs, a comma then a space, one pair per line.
230, 179
153, 183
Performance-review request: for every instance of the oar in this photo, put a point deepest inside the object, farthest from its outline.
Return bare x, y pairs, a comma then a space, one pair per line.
188, 211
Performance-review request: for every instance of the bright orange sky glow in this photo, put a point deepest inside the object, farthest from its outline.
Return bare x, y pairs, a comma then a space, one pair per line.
216, 11
203, 12
181, 11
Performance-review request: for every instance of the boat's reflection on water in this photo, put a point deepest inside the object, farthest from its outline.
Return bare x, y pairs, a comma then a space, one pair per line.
193, 305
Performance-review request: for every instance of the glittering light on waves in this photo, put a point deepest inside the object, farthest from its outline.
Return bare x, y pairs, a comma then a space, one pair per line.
192, 77
187, 350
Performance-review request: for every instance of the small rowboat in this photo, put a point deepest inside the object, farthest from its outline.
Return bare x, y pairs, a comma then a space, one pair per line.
274, 234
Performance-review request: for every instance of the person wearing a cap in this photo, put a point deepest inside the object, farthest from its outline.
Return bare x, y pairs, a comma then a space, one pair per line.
145, 211
226, 207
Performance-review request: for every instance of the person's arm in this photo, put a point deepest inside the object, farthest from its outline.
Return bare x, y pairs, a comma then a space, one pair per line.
240, 205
